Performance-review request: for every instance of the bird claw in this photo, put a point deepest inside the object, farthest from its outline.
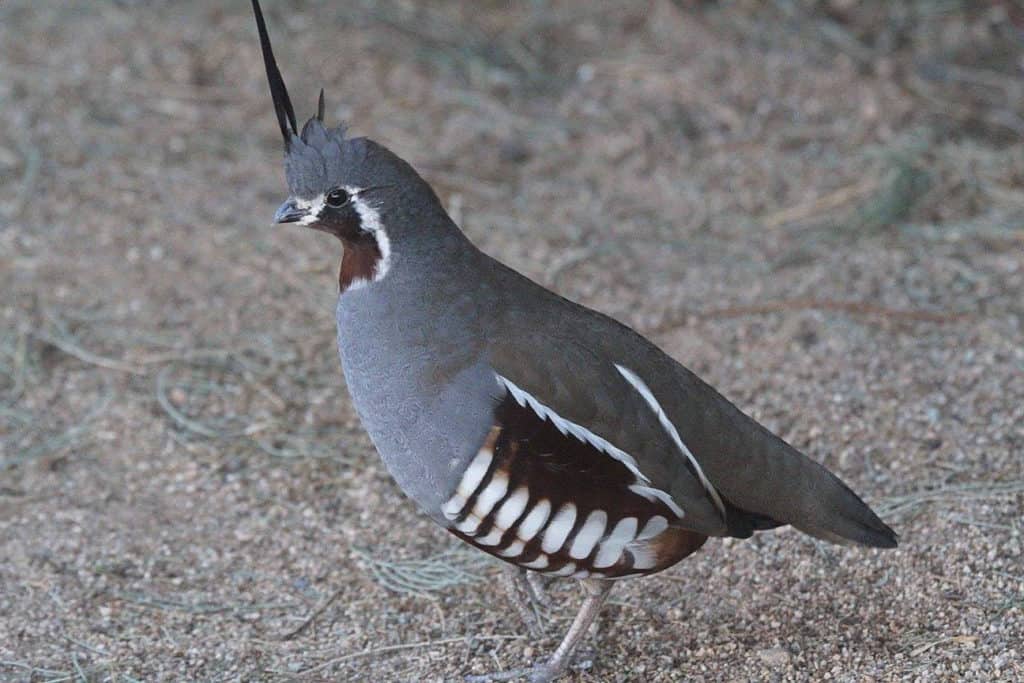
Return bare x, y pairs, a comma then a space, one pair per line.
597, 592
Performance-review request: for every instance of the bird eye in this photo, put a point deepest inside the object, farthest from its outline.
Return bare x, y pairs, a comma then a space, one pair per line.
337, 198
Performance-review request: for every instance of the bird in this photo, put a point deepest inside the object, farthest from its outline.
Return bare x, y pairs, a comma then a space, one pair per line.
537, 430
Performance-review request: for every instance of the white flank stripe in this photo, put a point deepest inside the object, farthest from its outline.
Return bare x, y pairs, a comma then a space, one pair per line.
534, 521
652, 494
588, 535
495, 490
644, 557
655, 525
469, 525
667, 425
559, 528
475, 473
540, 563
565, 426
580, 574
567, 570
493, 537
645, 553
611, 548
514, 549
454, 506
513, 506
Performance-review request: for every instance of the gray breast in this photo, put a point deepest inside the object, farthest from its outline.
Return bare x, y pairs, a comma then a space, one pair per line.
425, 401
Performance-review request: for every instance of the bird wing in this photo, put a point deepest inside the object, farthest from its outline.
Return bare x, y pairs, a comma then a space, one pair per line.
549, 495
594, 395
729, 474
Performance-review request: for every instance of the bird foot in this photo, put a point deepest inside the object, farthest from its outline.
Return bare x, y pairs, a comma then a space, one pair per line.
538, 673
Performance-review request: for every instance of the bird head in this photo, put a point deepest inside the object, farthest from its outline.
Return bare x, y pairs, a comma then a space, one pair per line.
352, 188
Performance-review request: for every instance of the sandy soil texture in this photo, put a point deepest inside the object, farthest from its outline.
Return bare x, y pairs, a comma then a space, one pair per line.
817, 205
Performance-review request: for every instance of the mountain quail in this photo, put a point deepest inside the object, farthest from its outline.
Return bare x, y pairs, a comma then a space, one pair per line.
530, 427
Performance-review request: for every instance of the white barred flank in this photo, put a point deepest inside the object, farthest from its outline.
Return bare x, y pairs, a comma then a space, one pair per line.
556, 537
535, 520
589, 535
654, 527
538, 564
515, 521
559, 528
495, 490
469, 525
611, 548
512, 508
567, 569
514, 549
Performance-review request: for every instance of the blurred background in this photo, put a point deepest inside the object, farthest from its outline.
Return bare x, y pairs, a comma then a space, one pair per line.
817, 205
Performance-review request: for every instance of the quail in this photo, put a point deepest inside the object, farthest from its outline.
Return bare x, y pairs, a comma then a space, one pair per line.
532, 428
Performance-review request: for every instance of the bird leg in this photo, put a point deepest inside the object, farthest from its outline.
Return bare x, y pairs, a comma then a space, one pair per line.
597, 592
527, 601
539, 586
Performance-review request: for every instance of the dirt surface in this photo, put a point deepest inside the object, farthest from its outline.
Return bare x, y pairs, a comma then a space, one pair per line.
817, 206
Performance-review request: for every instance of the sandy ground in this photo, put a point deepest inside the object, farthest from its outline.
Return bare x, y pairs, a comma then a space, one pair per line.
817, 206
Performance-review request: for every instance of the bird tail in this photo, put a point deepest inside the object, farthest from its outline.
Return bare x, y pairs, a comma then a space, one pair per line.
849, 519
774, 484
795, 490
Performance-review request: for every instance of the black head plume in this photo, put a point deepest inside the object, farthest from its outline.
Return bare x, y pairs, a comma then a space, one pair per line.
278, 91
321, 158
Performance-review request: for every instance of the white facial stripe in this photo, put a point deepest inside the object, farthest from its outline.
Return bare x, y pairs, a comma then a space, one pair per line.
670, 428
566, 427
313, 207
588, 535
559, 528
369, 219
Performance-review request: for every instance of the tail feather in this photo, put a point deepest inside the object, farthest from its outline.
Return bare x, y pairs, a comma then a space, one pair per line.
809, 497
773, 483
852, 520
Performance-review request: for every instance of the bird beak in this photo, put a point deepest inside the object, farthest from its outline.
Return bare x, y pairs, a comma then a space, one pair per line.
289, 212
